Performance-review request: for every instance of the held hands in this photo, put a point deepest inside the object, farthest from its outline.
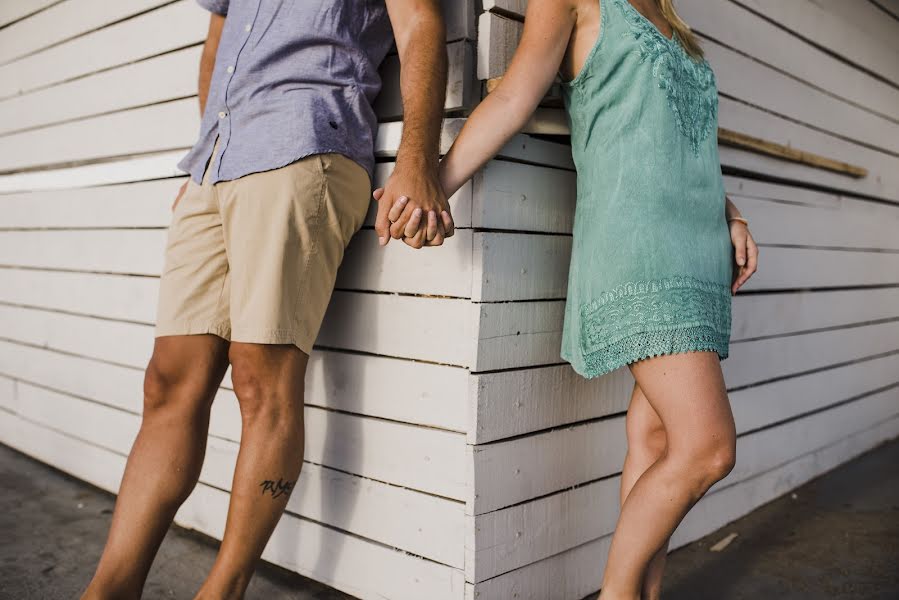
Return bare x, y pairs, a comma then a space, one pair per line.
413, 207
746, 253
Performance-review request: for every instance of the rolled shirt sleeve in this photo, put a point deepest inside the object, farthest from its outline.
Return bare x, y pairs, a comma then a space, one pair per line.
219, 7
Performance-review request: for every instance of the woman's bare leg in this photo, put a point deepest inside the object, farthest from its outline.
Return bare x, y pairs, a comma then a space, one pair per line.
646, 443
688, 393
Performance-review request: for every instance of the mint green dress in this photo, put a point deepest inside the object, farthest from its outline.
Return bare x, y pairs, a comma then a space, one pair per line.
651, 260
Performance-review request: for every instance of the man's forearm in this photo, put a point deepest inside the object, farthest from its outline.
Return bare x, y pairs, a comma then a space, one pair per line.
423, 85
207, 58
207, 62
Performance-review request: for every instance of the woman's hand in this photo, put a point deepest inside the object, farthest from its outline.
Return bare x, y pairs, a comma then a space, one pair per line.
746, 254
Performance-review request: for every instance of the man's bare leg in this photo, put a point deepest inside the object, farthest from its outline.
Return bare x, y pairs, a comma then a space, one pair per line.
164, 463
269, 383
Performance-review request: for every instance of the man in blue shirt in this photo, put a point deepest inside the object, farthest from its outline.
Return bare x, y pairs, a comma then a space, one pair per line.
280, 180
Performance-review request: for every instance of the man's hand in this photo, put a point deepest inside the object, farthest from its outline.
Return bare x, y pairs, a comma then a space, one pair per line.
413, 207
180, 193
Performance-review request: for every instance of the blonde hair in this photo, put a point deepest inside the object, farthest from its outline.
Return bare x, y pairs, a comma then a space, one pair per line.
681, 29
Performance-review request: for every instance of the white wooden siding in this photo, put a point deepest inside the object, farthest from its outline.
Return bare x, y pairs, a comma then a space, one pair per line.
493, 472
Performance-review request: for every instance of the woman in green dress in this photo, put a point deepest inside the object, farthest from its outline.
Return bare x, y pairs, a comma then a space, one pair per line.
658, 249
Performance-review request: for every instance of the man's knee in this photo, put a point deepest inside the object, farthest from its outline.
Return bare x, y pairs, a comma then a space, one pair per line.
268, 382
183, 376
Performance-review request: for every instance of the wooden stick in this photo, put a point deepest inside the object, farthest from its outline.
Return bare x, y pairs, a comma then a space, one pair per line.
747, 142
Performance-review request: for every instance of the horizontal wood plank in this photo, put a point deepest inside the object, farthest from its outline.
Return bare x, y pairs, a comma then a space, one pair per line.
11, 12
513, 266
514, 197
170, 27
519, 469
881, 183
64, 21
738, 77
513, 403
351, 383
147, 129
752, 362
755, 35
366, 266
516, 402
134, 299
766, 329
762, 405
162, 78
354, 565
142, 204
858, 32
354, 383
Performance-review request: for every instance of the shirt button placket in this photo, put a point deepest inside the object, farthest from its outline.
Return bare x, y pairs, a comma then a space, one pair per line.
224, 115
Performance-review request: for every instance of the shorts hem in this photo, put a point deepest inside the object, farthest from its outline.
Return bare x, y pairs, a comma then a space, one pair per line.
249, 335
219, 328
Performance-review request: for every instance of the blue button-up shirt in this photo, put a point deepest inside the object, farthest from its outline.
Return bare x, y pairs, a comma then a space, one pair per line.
292, 78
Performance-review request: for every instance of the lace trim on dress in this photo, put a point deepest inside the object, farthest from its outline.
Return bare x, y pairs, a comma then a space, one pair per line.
689, 84
640, 319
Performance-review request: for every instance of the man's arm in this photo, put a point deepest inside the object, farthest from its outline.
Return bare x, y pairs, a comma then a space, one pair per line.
421, 42
207, 58
207, 63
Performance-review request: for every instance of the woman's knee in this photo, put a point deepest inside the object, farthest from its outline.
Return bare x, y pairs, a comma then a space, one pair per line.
721, 459
708, 461
647, 441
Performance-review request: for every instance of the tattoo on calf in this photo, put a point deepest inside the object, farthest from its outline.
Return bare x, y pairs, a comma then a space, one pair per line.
276, 488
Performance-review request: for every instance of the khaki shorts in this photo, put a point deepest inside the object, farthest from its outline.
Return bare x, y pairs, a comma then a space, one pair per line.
254, 259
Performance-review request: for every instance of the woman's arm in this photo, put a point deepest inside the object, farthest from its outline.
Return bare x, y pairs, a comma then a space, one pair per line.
502, 114
730, 209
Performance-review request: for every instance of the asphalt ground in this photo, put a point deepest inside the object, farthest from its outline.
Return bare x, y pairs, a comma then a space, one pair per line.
835, 538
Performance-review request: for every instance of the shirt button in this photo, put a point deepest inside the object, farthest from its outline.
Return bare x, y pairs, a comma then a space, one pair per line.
222, 115
230, 68
247, 27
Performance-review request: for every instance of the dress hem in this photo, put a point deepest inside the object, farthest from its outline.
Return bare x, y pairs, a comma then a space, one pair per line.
649, 344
